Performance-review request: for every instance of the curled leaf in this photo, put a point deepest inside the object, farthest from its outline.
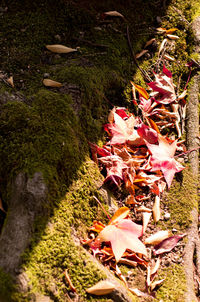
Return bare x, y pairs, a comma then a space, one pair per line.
121, 213
156, 283
157, 237
101, 288
162, 45
113, 13
141, 53
167, 244
146, 217
156, 209
57, 48
51, 83
172, 37
141, 90
149, 42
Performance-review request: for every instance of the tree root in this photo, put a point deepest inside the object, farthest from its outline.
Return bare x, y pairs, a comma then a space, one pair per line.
192, 248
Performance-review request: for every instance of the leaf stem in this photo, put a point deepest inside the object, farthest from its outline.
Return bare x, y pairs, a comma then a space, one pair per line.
102, 208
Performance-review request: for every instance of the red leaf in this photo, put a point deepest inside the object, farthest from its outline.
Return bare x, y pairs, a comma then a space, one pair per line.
147, 133
167, 72
167, 244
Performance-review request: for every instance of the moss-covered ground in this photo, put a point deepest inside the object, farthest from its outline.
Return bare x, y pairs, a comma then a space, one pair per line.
48, 129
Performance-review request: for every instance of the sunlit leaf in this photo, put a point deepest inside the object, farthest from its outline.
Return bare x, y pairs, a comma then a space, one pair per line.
156, 209
101, 288
113, 13
157, 237
172, 37
121, 213
167, 244
171, 31
141, 91
145, 218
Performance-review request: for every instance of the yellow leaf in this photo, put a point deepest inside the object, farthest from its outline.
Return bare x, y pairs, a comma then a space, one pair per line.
51, 83
60, 48
10, 81
141, 91
121, 213
171, 31
101, 288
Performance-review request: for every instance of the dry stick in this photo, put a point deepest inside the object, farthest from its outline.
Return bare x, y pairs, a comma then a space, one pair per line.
102, 207
144, 73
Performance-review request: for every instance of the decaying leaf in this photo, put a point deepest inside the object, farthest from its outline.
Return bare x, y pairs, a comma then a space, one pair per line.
10, 81
138, 293
156, 283
157, 237
162, 45
156, 209
141, 53
101, 288
167, 244
51, 83
161, 29
146, 217
113, 13
149, 42
57, 48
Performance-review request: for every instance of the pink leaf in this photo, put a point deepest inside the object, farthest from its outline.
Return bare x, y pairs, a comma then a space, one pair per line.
123, 235
167, 244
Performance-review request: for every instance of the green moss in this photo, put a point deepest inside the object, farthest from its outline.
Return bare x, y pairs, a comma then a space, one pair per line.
181, 199
174, 274
56, 251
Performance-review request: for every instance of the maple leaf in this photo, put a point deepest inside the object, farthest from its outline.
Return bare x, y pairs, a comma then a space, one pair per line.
123, 131
162, 158
123, 234
163, 84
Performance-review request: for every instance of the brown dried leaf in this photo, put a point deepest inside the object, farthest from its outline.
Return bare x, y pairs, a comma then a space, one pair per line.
156, 209
111, 116
161, 30
10, 81
146, 217
141, 53
101, 288
57, 48
157, 237
113, 13
156, 283
149, 42
51, 83
143, 209
155, 267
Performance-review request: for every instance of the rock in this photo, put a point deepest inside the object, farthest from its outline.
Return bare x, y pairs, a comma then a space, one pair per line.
167, 216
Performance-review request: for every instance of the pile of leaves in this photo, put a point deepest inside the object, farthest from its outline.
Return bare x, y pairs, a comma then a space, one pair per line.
140, 159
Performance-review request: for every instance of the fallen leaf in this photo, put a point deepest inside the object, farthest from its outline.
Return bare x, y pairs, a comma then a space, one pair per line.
161, 29
162, 45
101, 288
141, 53
171, 31
121, 213
141, 90
149, 42
172, 37
10, 81
51, 83
156, 209
169, 58
157, 237
123, 131
123, 234
113, 13
156, 283
145, 218
167, 244
57, 48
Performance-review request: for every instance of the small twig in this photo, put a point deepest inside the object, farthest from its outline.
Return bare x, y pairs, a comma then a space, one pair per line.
90, 43
145, 74
102, 207
67, 277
